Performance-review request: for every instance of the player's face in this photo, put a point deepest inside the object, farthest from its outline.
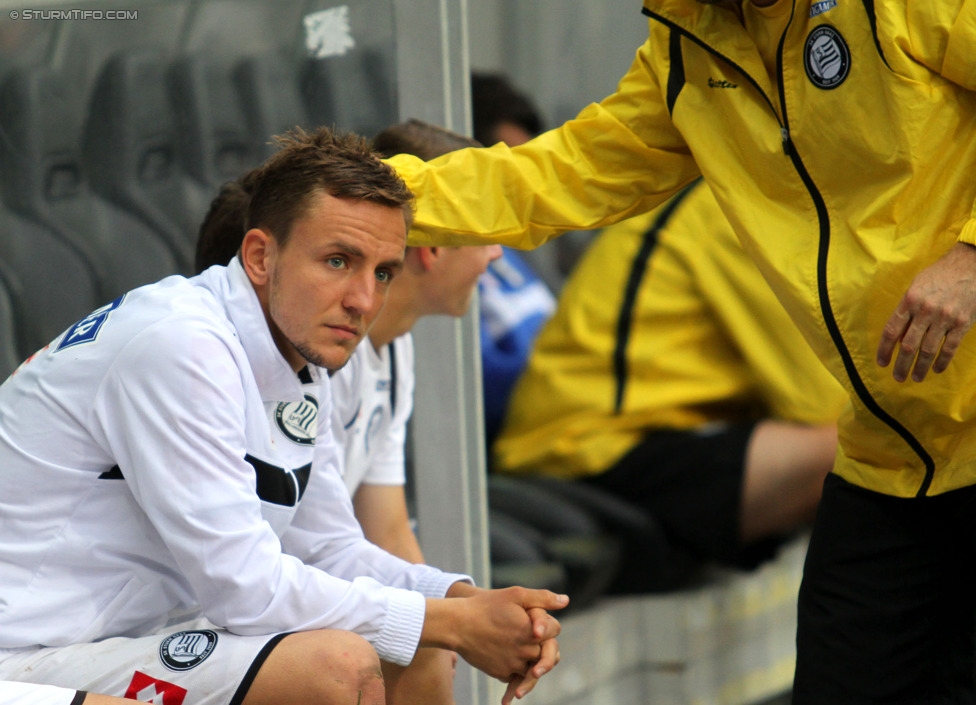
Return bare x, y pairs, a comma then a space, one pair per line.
458, 271
510, 133
330, 280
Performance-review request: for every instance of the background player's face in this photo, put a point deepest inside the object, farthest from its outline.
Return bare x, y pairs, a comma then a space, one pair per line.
456, 275
330, 280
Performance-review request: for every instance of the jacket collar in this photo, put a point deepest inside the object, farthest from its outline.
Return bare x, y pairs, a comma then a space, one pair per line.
719, 30
275, 379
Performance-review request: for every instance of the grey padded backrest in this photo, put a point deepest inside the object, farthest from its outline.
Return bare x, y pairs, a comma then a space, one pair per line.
50, 282
353, 92
270, 96
215, 143
131, 150
44, 180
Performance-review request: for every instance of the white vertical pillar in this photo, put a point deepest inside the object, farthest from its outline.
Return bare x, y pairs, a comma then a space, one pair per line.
448, 437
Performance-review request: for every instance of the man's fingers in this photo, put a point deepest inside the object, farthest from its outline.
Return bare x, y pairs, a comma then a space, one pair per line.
893, 331
547, 661
934, 315
510, 691
931, 346
948, 351
923, 349
543, 599
544, 625
905, 359
530, 678
526, 686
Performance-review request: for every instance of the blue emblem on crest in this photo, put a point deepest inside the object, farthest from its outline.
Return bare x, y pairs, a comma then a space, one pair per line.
86, 330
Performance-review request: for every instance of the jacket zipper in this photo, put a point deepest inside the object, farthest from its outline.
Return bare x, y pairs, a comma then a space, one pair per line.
826, 309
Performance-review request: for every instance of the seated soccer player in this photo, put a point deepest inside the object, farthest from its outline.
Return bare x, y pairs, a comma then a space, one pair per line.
174, 516
373, 394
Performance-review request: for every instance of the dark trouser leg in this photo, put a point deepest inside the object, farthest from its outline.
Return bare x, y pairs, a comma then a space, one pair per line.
886, 608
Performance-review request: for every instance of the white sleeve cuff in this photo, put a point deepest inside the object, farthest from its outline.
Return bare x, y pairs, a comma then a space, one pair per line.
437, 583
400, 636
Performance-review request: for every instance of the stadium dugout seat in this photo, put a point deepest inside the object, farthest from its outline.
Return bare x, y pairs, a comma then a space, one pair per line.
560, 531
352, 92
131, 151
662, 565
519, 557
272, 102
215, 143
50, 282
44, 179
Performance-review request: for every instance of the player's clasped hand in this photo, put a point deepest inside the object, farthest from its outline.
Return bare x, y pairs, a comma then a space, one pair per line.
519, 686
511, 636
936, 312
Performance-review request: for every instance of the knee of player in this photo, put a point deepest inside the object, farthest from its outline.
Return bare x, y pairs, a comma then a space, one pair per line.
342, 665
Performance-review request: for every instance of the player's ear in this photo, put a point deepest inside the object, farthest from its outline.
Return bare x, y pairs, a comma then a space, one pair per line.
428, 256
258, 250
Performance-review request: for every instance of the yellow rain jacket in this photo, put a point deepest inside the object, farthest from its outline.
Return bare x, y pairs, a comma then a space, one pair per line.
845, 172
665, 323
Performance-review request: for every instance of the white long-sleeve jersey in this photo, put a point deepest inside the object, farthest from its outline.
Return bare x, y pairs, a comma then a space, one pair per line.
161, 459
372, 400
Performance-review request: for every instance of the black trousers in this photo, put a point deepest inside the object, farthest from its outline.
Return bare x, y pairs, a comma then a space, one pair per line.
887, 605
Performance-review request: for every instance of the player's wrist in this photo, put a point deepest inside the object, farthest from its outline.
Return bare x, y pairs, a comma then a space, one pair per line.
441, 624
462, 588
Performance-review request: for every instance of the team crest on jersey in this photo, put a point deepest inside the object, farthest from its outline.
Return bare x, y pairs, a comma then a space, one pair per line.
826, 57
185, 650
298, 420
86, 330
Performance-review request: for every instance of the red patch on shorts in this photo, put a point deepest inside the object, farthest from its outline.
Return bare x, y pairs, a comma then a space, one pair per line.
147, 689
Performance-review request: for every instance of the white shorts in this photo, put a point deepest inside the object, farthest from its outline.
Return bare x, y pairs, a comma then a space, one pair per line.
32, 694
194, 663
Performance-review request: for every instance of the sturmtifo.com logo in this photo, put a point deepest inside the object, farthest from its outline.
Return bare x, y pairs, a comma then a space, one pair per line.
74, 14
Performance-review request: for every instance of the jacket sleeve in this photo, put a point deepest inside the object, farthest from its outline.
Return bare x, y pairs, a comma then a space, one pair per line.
617, 158
941, 36
177, 436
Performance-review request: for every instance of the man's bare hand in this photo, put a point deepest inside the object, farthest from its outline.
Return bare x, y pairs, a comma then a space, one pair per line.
936, 312
507, 633
520, 686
